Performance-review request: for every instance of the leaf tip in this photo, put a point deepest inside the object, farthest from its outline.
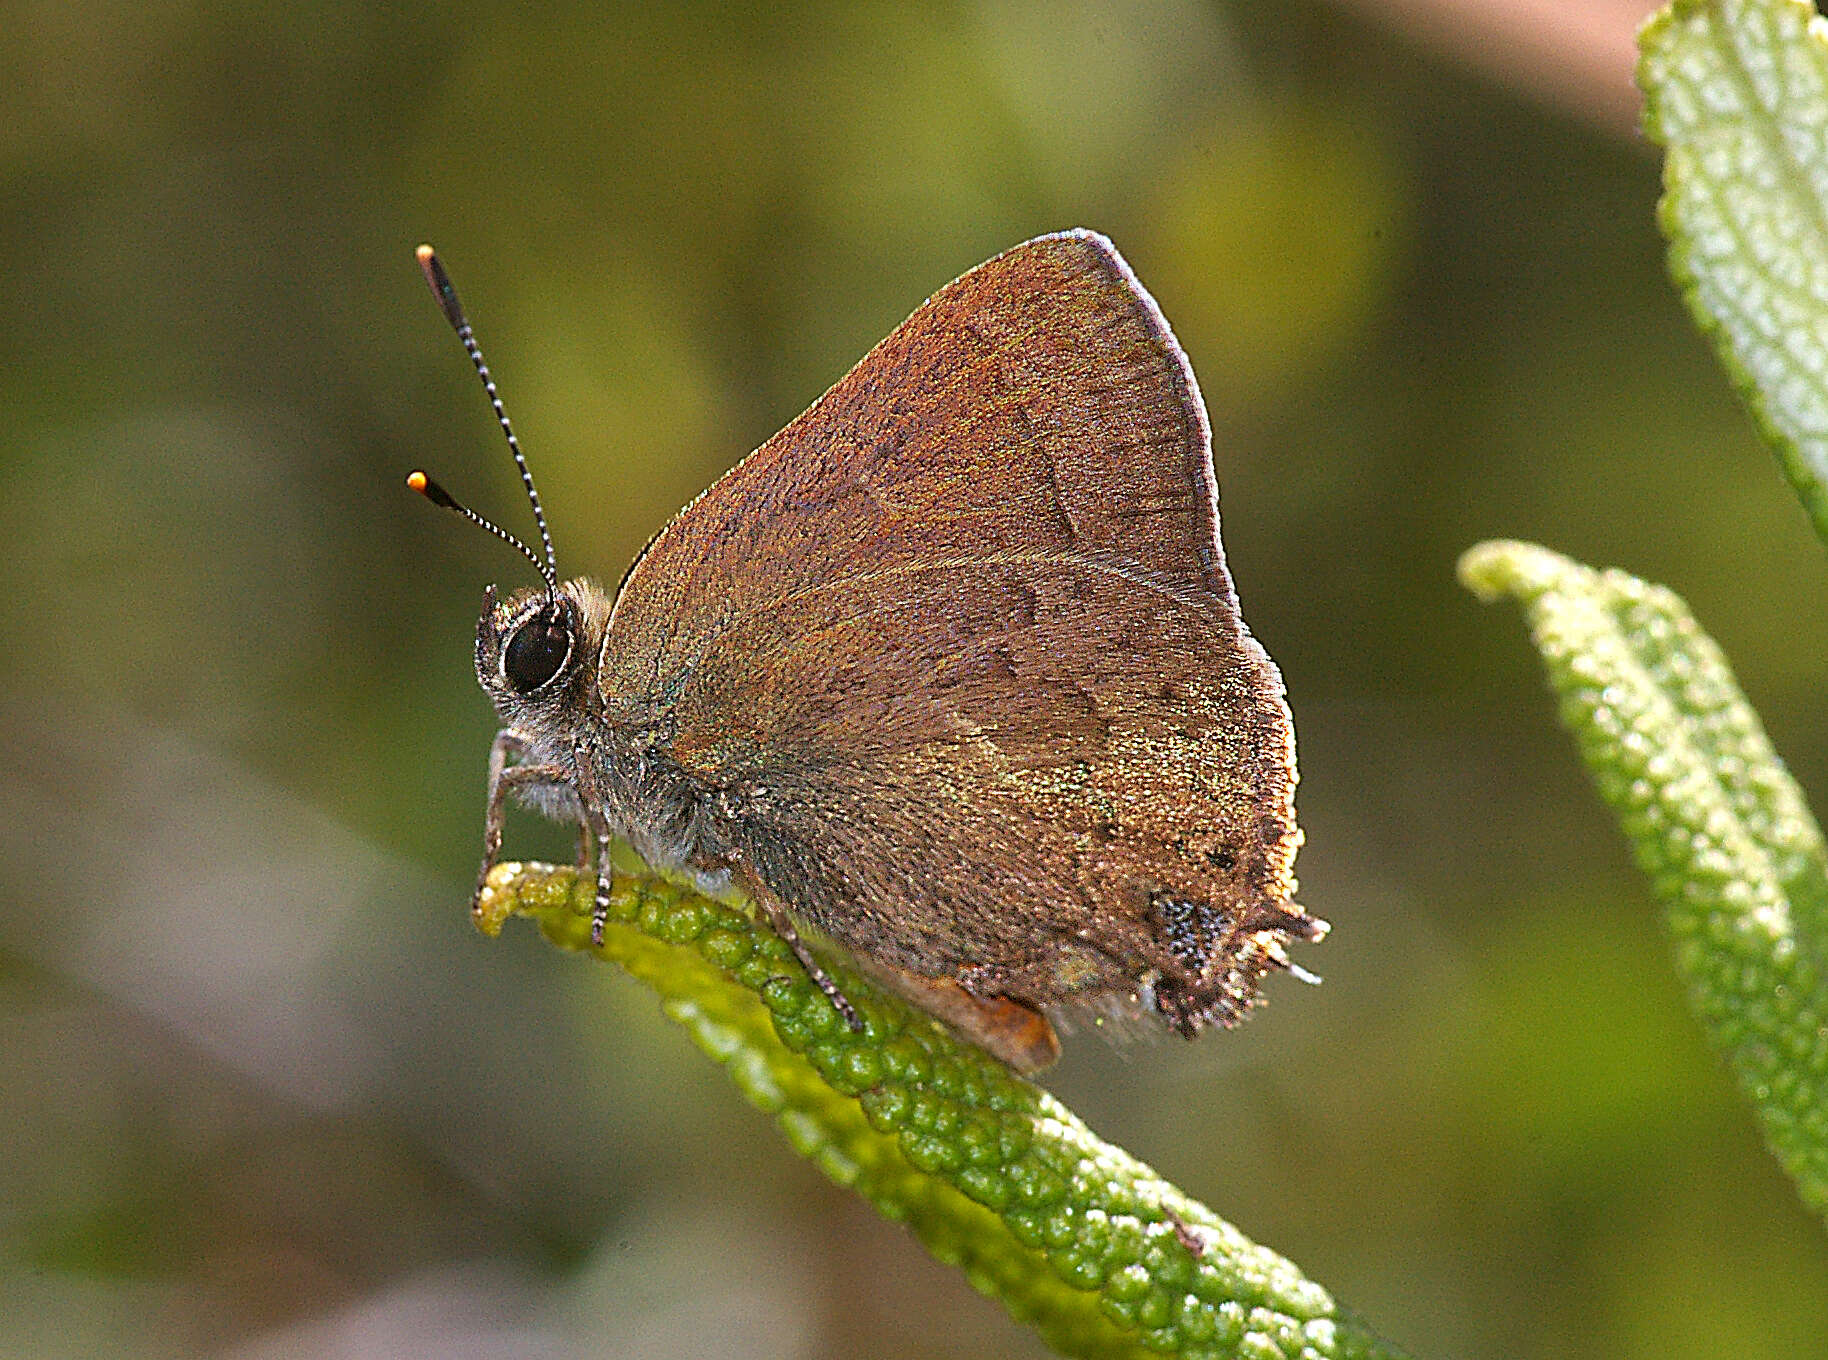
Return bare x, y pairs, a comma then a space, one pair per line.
1508, 566
495, 900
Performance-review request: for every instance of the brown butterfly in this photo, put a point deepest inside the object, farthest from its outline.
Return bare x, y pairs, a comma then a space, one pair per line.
951, 669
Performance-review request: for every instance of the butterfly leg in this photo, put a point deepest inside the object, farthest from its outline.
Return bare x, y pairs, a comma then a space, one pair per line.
776, 914
599, 913
593, 830
503, 780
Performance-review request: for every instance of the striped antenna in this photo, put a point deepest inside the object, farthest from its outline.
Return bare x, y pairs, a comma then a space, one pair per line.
440, 284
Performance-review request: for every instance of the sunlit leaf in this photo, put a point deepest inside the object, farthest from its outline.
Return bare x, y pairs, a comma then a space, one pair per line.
1737, 92
1076, 1237
1714, 819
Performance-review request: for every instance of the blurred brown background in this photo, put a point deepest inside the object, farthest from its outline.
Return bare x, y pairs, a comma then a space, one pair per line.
264, 1093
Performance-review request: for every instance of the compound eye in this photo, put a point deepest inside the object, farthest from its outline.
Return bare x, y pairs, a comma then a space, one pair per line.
537, 651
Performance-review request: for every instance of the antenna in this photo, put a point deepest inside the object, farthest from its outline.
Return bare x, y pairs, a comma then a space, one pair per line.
438, 496
442, 290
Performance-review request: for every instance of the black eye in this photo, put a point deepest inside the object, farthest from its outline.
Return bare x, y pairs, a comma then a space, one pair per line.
537, 650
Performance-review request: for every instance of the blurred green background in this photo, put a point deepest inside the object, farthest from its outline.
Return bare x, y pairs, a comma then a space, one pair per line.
263, 1091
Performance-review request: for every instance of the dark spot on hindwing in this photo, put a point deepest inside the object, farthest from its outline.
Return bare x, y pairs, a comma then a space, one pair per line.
1192, 930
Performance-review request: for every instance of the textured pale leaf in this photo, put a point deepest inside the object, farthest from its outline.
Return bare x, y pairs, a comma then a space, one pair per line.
1713, 818
1076, 1237
1737, 92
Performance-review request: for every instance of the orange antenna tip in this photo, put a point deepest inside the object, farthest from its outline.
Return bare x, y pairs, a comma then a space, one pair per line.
440, 284
437, 495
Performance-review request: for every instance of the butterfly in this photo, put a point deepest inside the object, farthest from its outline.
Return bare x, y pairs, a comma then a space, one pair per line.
951, 670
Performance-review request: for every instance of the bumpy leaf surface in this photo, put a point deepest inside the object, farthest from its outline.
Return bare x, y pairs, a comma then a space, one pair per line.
1076, 1237
1713, 817
1737, 92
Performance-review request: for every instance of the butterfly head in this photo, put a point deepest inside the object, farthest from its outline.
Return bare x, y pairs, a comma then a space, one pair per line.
536, 652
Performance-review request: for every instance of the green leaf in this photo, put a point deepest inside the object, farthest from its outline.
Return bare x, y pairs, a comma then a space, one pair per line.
1737, 91
1076, 1237
1713, 818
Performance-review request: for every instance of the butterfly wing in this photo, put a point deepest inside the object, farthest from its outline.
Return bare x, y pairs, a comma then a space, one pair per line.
957, 659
